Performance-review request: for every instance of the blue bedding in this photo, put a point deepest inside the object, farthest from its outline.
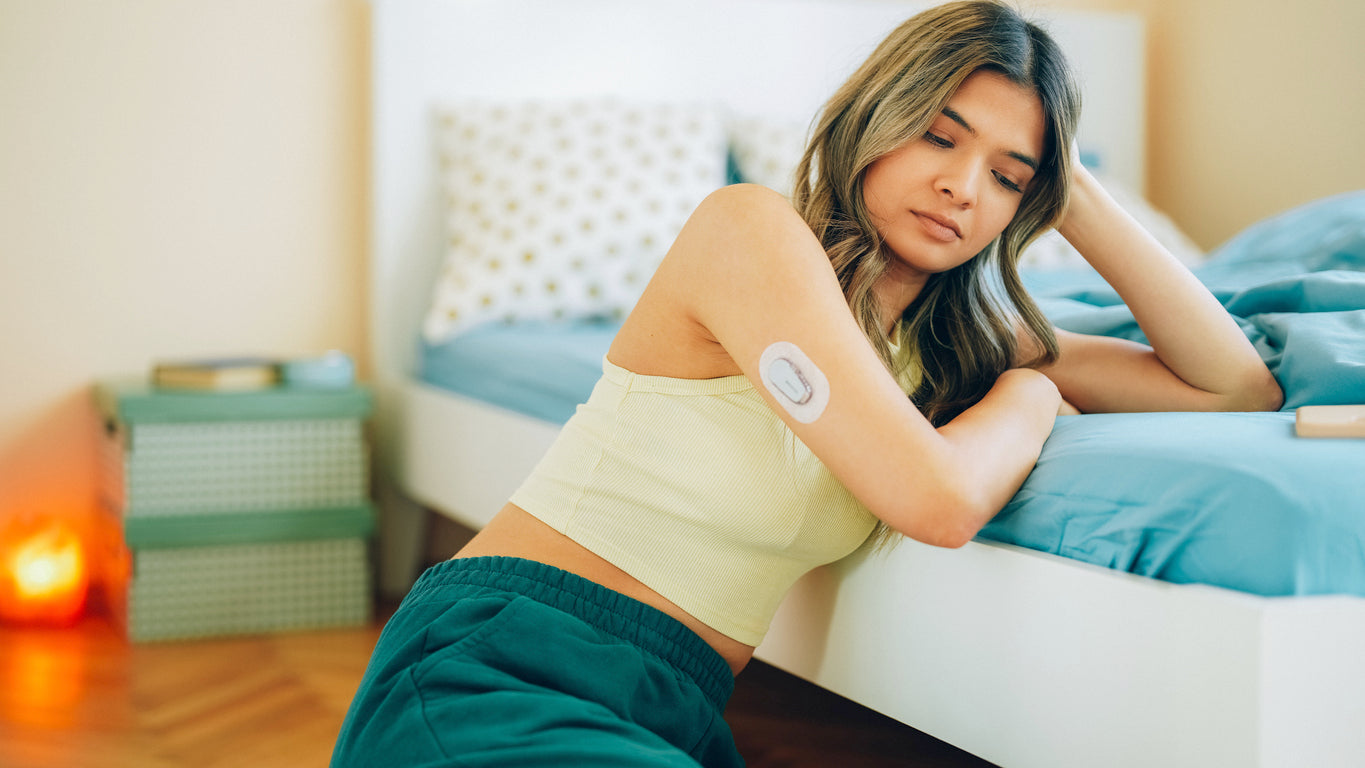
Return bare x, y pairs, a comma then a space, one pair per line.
540, 369
1234, 500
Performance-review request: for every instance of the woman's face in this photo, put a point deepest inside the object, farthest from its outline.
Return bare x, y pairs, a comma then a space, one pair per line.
939, 199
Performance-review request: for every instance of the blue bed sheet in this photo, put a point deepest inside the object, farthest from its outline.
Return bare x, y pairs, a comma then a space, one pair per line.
1234, 500
1230, 499
540, 369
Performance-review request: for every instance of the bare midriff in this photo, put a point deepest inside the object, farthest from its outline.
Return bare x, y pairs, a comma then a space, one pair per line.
514, 532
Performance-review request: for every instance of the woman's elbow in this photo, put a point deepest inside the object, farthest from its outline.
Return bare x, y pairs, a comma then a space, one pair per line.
954, 539
1261, 393
1272, 398
951, 534
948, 522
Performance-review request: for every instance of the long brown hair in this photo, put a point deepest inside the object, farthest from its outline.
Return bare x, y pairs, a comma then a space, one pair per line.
960, 331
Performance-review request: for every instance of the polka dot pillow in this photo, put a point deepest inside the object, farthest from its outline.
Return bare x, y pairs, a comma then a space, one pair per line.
564, 210
767, 151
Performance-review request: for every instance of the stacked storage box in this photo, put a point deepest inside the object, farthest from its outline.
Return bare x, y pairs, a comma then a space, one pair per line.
245, 511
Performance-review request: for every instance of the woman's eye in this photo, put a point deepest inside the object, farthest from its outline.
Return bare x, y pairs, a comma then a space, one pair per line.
937, 140
1006, 183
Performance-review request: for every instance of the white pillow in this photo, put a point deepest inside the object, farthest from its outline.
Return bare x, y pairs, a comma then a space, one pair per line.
767, 151
564, 210
1052, 251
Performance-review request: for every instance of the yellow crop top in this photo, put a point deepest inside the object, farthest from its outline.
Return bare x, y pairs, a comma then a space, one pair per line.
696, 488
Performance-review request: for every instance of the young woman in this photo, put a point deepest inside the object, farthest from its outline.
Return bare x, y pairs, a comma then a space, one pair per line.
748, 426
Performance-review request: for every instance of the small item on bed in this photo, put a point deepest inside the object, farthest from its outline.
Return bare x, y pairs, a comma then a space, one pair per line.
1330, 421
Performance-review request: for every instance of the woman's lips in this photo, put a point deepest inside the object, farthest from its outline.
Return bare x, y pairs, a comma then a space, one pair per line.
941, 229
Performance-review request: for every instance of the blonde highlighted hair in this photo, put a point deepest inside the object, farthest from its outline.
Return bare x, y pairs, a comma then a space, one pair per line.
961, 328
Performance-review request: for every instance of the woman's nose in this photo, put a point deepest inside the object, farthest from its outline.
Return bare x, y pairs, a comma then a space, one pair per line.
960, 184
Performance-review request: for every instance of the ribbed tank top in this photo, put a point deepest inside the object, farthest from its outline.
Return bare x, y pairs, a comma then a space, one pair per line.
697, 489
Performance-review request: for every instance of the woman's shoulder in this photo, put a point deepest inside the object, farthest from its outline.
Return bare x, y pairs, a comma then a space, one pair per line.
752, 220
743, 249
743, 202
753, 193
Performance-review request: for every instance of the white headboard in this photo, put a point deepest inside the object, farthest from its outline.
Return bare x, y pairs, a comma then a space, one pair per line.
764, 58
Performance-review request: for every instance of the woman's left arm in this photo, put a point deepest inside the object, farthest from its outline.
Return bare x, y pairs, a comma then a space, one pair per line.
1199, 359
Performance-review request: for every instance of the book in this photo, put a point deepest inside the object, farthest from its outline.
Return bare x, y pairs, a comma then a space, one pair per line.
218, 373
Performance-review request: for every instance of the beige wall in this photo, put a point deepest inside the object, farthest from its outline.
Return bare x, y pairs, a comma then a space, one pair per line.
186, 177
1255, 106
177, 177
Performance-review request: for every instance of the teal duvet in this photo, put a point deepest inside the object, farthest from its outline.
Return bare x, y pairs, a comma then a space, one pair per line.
1231, 499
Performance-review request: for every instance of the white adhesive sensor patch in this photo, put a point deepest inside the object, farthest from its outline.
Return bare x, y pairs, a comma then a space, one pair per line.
794, 381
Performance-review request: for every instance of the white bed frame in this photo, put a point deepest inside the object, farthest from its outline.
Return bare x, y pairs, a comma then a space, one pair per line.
1022, 658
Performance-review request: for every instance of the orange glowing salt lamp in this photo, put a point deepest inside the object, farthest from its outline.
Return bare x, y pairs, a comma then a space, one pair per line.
44, 575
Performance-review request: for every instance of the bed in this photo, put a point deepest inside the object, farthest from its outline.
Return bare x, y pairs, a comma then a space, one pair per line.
1167, 589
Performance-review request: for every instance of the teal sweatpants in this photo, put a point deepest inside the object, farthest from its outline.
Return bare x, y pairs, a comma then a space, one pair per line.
506, 662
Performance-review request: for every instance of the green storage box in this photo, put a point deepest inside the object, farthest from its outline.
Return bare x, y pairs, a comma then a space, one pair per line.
245, 512
177, 453
246, 573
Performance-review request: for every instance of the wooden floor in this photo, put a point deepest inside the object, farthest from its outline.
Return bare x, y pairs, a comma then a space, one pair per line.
82, 697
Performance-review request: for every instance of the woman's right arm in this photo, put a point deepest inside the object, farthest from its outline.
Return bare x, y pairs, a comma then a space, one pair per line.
746, 272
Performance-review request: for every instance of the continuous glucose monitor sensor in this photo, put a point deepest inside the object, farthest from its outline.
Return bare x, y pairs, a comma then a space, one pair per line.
789, 381
794, 381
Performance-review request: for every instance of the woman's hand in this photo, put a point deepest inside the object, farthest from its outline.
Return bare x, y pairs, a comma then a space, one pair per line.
1005, 430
